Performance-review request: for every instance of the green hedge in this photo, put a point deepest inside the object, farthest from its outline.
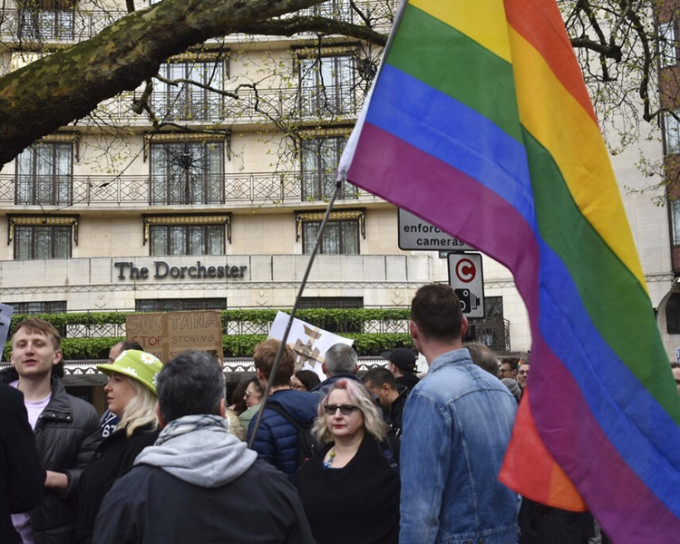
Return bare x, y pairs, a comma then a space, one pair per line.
340, 320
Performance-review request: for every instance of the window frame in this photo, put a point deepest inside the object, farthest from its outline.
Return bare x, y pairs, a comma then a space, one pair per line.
318, 167
188, 102
671, 133
668, 44
32, 235
310, 229
45, 183
184, 184
327, 83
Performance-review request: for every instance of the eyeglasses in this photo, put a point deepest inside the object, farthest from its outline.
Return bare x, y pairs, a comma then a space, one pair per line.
251, 394
503, 370
345, 409
523, 372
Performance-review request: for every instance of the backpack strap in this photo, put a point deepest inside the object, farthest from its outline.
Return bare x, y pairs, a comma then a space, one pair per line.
276, 407
389, 454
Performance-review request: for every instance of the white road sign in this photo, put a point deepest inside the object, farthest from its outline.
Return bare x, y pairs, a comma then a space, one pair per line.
416, 233
466, 279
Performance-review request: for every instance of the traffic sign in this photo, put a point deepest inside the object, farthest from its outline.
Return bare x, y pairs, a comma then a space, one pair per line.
416, 233
467, 281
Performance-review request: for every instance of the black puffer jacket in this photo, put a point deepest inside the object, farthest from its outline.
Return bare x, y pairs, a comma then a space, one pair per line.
67, 434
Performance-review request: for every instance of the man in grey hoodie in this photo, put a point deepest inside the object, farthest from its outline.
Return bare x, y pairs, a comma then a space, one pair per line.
198, 482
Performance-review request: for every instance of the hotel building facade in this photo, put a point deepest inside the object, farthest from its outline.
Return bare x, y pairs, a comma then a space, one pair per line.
216, 201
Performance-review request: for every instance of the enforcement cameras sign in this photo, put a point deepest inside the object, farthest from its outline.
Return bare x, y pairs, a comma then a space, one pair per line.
465, 277
416, 233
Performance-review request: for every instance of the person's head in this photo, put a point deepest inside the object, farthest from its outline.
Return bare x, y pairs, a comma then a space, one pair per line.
436, 315
36, 348
264, 357
340, 359
382, 383
523, 374
348, 411
402, 361
190, 384
508, 368
483, 357
131, 389
675, 369
120, 347
253, 393
304, 380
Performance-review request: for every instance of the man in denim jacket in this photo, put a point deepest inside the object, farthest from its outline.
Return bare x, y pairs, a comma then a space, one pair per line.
457, 425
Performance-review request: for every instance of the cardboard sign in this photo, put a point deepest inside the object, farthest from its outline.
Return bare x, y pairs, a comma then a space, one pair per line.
309, 343
167, 334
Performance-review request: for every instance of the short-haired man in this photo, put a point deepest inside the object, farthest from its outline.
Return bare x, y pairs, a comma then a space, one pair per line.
66, 430
382, 383
340, 361
483, 356
509, 367
457, 424
523, 374
276, 440
199, 483
403, 366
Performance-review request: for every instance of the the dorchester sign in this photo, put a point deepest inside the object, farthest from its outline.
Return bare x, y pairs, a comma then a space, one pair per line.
160, 270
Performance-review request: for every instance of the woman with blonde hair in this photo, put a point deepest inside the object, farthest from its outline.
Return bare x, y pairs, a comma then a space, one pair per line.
131, 395
350, 488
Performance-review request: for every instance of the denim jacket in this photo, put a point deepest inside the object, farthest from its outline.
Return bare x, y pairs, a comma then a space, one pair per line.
457, 425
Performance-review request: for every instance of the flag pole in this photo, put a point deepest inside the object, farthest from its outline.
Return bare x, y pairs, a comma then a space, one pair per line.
296, 304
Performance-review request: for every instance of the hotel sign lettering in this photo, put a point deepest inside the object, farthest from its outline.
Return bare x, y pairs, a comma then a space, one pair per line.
160, 270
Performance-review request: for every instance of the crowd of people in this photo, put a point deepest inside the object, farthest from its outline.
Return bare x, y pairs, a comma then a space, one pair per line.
384, 457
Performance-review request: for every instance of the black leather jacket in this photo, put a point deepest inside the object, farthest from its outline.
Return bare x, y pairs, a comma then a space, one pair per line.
67, 434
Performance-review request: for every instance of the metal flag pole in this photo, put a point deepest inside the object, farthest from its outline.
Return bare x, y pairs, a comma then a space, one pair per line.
279, 353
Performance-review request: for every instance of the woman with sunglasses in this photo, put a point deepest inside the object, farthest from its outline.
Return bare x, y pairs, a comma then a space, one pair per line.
350, 488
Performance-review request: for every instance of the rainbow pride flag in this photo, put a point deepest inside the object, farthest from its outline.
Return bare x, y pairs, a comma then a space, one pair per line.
480, 123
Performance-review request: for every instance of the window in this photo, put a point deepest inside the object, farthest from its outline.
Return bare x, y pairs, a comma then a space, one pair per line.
187, 239
493, 307
673, 314
42, 242
46, 20
672, 133
668, 45
44, 175
327, 85
50, 307
186, 101
187, 173
320, 157
179, 304
339, 237
675, 221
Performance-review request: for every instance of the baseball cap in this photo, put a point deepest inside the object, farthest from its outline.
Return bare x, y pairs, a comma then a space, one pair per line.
402, 358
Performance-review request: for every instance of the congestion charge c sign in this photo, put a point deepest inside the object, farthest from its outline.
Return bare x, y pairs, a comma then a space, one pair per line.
465, 270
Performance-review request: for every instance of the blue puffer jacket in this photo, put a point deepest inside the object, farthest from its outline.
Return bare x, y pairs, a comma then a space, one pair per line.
276, 439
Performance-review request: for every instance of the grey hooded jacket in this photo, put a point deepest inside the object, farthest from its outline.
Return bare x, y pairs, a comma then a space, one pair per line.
201, 484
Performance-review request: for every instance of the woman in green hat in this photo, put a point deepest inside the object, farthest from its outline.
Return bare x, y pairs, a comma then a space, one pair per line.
131, 395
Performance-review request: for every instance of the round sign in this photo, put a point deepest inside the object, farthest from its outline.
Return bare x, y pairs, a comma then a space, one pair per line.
465, 270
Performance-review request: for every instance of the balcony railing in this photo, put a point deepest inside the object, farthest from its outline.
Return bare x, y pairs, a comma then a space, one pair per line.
54, 26
106, 191
72, 26
250, 107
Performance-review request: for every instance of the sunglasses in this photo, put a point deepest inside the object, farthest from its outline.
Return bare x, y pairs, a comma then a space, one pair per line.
345, 409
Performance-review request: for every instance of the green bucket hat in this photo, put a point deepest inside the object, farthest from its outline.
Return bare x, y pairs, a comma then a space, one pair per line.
138, 365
